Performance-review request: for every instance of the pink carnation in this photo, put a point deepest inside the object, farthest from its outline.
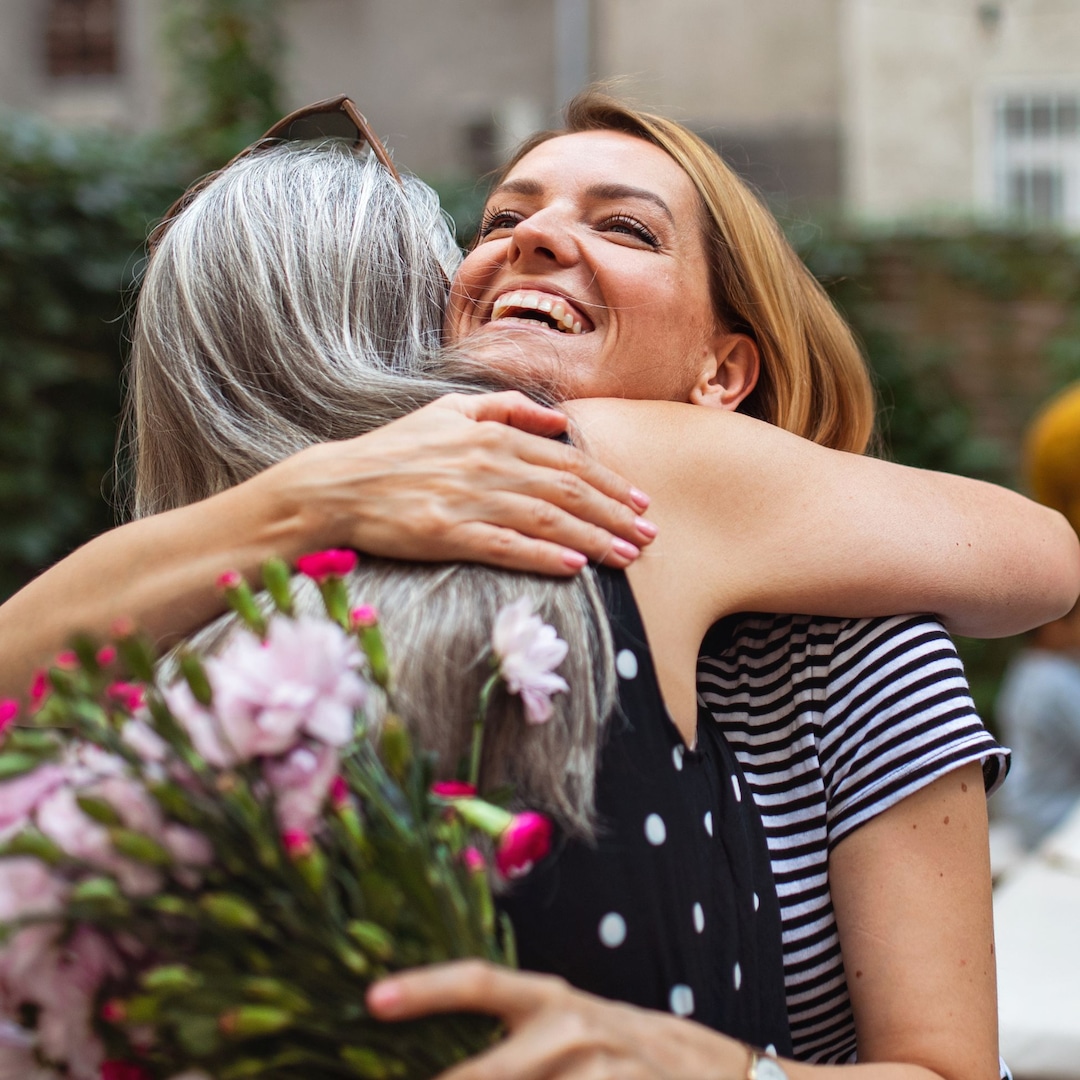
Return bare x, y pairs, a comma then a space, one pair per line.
529, 651
320, 565
301, 783
525, 841
302, 680
20, 797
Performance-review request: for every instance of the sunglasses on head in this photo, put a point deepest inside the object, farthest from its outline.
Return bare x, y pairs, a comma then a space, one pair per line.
333, 118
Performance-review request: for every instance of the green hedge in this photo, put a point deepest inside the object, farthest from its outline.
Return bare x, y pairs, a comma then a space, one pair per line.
74, 212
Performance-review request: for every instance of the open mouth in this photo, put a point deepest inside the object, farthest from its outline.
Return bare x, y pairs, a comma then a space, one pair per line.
538, 308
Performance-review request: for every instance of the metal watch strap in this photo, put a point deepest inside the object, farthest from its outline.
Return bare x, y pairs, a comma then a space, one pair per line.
764, 1067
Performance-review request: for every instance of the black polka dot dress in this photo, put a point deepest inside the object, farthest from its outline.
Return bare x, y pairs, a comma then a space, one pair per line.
673, 907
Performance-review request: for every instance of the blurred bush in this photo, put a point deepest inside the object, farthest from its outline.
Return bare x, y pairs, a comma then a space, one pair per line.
74, 211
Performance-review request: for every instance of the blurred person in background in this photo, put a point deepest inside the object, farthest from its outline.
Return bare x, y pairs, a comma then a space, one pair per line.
1038, 707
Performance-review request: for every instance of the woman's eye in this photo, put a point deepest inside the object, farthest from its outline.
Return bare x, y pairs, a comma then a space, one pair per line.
495, 220
625, 225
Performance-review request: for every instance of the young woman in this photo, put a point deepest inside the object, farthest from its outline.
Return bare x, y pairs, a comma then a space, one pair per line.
739, 529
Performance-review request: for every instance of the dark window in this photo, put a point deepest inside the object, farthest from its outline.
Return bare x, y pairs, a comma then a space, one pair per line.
80, 37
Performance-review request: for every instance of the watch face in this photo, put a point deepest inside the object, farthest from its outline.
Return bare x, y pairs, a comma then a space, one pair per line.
768, 1069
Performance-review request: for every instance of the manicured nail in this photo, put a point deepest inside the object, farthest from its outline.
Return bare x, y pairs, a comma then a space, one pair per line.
574, 558
384, 998
646, 528
639, 499
625, 548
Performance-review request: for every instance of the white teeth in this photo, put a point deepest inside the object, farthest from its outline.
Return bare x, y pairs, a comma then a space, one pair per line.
533, 301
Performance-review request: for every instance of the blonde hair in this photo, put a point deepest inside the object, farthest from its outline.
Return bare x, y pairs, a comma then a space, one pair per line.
813, 379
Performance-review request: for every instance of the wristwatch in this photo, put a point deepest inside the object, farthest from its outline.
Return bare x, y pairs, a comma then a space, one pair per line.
763, 1067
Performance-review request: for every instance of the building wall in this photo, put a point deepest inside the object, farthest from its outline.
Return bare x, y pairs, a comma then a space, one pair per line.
920, 81
429, 76
130, 99
760, 80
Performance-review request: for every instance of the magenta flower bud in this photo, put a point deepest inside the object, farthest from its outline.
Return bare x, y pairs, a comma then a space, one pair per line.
106, 655
39, 688
321, 565
129, 695
339, 793
230, 579
474, 860
297, 843
9, 709
525, 841
363, 617
113, 1011
123, 1070
453, 789
67, 660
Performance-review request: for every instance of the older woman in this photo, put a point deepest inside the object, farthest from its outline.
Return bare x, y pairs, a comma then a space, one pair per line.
611, 234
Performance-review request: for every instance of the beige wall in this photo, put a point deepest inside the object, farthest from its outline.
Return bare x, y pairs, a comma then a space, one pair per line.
920, 77
421, 71
726, 63
132, 99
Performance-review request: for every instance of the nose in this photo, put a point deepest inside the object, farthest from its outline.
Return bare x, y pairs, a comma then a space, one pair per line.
544, 237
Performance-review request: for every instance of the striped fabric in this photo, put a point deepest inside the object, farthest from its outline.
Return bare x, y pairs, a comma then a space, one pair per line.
834, 721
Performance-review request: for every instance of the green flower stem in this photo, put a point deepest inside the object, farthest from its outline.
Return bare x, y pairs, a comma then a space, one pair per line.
478, 729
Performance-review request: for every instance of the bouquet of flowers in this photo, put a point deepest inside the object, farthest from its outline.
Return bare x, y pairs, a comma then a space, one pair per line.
201, 876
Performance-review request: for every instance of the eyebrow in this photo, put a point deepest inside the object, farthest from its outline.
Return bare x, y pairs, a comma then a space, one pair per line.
609, 191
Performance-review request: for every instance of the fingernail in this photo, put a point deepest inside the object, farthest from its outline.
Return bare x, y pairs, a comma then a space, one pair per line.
625, 548
646, 528
639, 499
384, 997
574, 558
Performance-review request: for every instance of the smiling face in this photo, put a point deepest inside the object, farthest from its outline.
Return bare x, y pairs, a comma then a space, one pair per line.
591, 249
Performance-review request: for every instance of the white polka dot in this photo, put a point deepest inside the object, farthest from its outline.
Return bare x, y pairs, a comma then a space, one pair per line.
708, 822
699, 918
738, 788
757, 901
612, 929
682, 1000
655, 830
737, 976
626, 664
676, 756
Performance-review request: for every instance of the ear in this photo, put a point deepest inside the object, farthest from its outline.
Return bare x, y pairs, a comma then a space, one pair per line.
729, 373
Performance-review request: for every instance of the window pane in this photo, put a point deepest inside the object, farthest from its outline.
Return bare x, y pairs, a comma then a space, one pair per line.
1068, 115
1041, 118
80, 37
1016, 118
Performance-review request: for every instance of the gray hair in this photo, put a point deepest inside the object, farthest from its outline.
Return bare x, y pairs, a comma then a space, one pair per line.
299, 299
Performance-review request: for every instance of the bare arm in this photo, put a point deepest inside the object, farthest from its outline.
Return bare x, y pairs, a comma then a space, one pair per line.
912, 896
756, 519
467, 478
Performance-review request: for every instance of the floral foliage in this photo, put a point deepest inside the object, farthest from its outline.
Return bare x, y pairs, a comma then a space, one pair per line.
200, 878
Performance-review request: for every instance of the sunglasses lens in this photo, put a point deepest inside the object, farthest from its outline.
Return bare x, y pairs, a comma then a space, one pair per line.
329, 125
